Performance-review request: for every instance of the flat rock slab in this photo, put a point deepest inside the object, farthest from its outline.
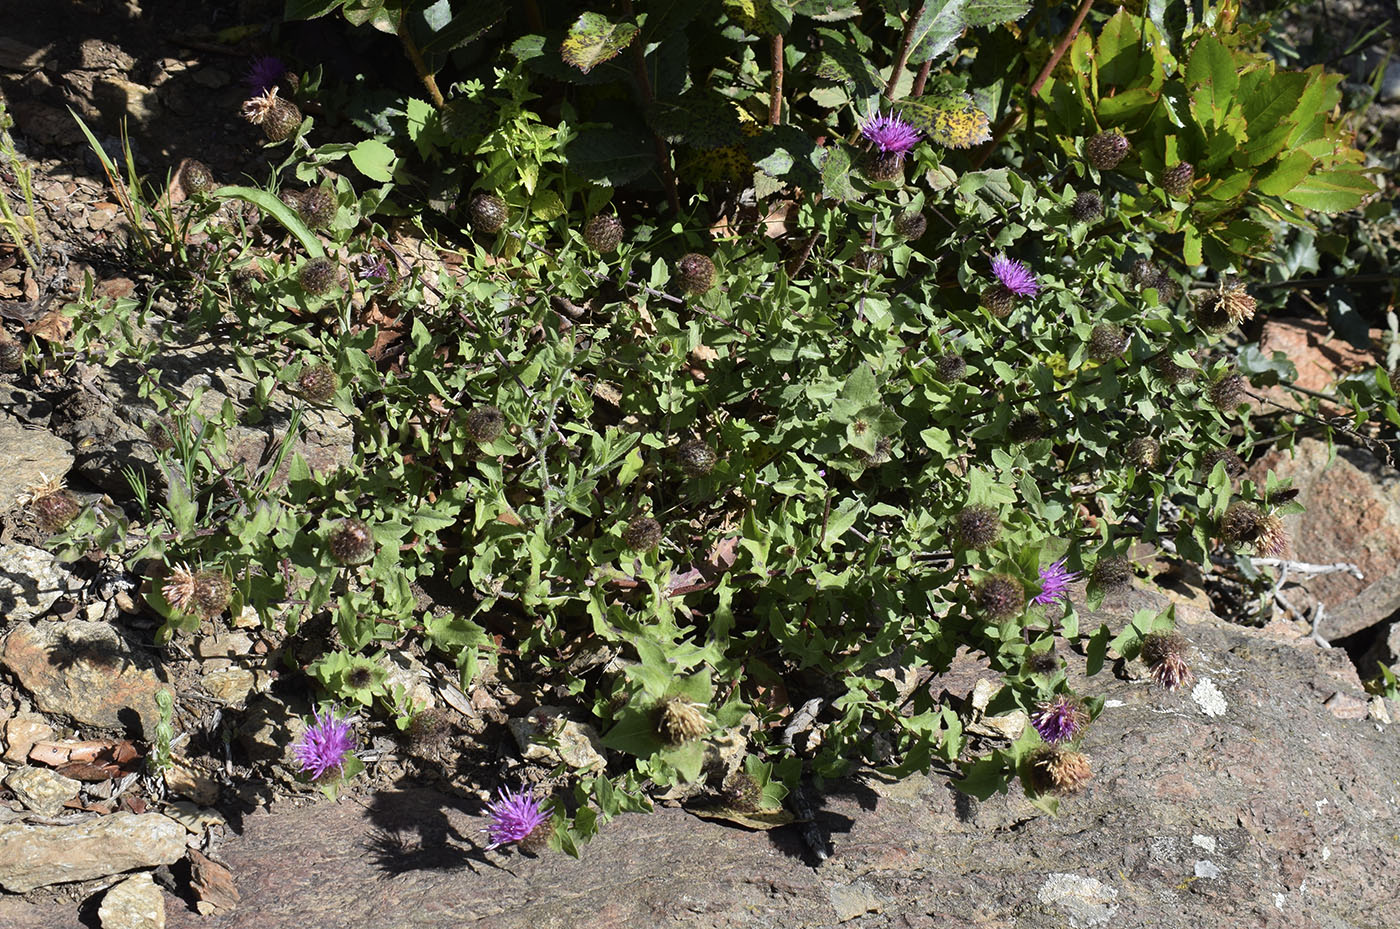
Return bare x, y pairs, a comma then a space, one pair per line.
28, 456
37, 855
31, 579
84, 671
1239, 803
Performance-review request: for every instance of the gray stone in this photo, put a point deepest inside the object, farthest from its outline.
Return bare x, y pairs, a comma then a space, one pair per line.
578, 744
31, 579
135, 903
42, 790
230, 685
85, 671
28, 457
39, 855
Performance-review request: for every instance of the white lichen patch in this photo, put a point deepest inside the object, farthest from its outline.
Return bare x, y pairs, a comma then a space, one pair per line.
1209, 698
1206, 842
1207, 869
1086, 901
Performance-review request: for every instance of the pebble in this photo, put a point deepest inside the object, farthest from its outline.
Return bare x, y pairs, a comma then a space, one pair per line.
33, 855
21, 732
135, 903
41, 790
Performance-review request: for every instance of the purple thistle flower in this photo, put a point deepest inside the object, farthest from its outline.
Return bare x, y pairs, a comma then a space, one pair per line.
265, 74
372, 267
324, 746
1015, 276
1054, 583
891, 134
1059, 720
514, 817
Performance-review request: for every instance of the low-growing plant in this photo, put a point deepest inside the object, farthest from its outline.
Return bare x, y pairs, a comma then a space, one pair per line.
828, 403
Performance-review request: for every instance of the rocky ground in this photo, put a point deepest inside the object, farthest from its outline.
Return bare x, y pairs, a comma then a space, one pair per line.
1265, 796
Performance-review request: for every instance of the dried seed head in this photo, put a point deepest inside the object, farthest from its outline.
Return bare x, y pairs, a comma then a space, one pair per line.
316, 207
1000, 596
196, 178
696, 458
538, 838
950, 368
1107, 341
211, 593
1227, 307
1112, 572
1106, 149
977, 526
317, 384
695, 273
884, 448
317, 276
1177, 179
1165, 655
603, 233
54, 511
351, 542
1046, 662
642, 534
1088, 205
1144, 453
1057, 769
244, 280
1234, 464
867, 259
911, 225
485, 424
488, 213
1145, 273
278, 118
178, 589
1273, 538
679, 721
1227, 393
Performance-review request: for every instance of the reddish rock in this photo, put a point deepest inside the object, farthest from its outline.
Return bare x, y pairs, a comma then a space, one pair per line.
1353, 515
1319, 354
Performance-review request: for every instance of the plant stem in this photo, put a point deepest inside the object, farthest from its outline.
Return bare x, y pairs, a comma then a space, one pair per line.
663, 151
775, 84
921, 79
902, 56
419, 65
1009, 121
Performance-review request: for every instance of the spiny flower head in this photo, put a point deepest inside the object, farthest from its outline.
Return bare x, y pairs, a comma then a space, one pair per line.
1000, 596
1054, 583
1015, 276
890, 134
324, 746
1060, 719
1112, 572
515, 817
977, 526
1165, 654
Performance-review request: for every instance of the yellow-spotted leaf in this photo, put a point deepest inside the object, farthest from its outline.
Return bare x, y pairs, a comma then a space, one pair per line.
594, 39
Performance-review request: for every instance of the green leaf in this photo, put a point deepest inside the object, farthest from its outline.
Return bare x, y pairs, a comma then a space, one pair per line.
1285, 175
700, 118
275, 208
938, 26
951, 120
612, 156
1332, 191
1211, 74
374, 159
994, 12
827, 11
836, 174
594, 39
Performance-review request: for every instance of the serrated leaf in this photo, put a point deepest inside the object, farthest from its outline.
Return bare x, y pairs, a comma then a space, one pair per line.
374, 159
447, 32
766, 17
827, 11
1332, 191
594, 39
308, 9
993, 12
1285, 175
951, 120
